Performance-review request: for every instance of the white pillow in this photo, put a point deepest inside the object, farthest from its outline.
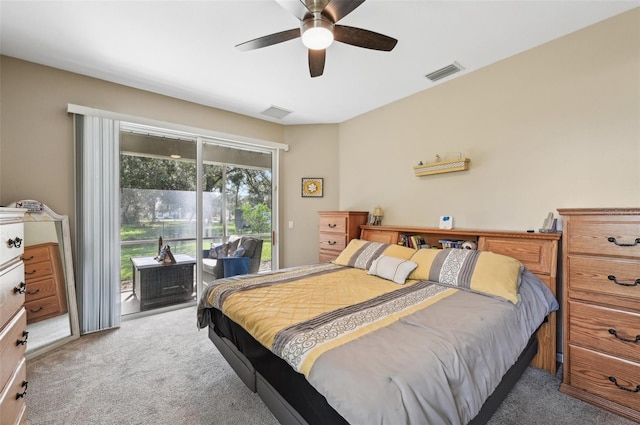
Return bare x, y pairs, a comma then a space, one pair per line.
392, 268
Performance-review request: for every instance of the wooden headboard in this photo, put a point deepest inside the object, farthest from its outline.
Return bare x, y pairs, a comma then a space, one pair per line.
537, 251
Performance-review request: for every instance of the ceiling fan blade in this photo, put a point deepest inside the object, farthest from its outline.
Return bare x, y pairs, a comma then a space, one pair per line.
363, 38
338, 9
316, 62
269, 40
296, 7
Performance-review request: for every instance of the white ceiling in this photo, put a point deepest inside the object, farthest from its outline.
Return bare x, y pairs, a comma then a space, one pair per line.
185, 49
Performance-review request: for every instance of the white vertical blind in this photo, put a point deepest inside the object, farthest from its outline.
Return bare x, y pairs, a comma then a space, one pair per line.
97, 222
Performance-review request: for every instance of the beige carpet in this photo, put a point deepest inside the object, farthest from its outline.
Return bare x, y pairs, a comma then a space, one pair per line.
162, 370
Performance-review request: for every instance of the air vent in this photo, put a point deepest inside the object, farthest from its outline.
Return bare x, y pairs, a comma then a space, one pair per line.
445, 72
276, 112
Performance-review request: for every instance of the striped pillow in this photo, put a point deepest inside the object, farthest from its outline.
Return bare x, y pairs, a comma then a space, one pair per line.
480, 271
360, 254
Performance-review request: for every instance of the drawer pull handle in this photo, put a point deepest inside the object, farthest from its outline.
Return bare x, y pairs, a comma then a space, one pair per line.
636, 390
35, 310
613, 278
614, 333
25, 334
20, 289
28, 259
15, 242
332, 242
33, 292
613, 240
35, 271
25, 384
332, 226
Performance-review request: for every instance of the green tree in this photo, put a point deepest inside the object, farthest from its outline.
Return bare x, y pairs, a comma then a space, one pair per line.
163, 175
165, 180
257, 217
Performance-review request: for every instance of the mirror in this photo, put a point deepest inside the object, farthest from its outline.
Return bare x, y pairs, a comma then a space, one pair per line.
50, 300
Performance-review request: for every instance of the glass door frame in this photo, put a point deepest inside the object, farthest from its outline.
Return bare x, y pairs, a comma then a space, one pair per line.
200, 141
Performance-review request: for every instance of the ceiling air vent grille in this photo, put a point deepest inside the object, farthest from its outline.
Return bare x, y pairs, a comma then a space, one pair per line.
276, 112
444, 72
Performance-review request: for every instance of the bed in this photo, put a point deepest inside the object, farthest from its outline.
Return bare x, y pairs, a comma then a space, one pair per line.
384, 334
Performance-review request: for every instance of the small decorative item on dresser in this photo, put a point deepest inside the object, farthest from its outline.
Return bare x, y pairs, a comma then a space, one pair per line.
312, 187
378, 213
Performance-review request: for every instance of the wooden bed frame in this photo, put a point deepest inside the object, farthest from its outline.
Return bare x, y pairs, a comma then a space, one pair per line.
537, 251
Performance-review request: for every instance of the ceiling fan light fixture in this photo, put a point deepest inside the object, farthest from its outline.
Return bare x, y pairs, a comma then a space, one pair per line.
317, 32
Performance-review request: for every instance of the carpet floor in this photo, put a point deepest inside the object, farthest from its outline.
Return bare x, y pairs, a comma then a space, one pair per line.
162, 370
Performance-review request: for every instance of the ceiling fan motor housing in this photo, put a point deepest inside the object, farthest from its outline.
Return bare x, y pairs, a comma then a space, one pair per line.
317, 32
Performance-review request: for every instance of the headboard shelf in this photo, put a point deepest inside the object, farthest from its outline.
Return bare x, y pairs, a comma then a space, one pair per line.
471, 233
537, 251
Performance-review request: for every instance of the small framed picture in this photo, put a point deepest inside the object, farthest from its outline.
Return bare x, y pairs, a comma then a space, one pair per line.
312, 187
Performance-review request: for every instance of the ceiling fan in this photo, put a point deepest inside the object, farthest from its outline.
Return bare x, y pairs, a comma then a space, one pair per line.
319, 28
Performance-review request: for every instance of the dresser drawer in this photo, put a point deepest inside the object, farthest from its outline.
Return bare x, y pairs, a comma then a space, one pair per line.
11, 291
607, 239
326, 256
34, 271
9, 234
333, 223
42, 309
12, 347
601, 274
12, 397
36, 254
333, 241
42, 288
606, 376
605, 329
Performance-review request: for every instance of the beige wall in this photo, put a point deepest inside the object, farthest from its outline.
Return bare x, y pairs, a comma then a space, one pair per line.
556, 126
36, 139
314, 154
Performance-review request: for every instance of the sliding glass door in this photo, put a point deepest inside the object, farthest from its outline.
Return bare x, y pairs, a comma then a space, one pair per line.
174, 187
237, 199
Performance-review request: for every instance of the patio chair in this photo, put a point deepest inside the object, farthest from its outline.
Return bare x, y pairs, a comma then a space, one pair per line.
226, 256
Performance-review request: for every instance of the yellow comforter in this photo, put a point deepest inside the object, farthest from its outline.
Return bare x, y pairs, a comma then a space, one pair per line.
286, 314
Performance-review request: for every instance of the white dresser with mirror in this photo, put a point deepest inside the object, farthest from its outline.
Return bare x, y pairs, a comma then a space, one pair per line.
13, 318
50, 298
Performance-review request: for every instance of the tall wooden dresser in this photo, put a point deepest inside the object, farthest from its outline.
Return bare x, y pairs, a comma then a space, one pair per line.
337, 228
601, 259
13, 318
46, 296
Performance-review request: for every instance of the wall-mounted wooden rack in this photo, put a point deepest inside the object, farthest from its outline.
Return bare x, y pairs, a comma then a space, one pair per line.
440, 167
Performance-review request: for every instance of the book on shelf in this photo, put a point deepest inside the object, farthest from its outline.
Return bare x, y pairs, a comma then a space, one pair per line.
413, 241
448, 243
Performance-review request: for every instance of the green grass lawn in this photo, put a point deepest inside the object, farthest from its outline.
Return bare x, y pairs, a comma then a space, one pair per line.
170, 229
